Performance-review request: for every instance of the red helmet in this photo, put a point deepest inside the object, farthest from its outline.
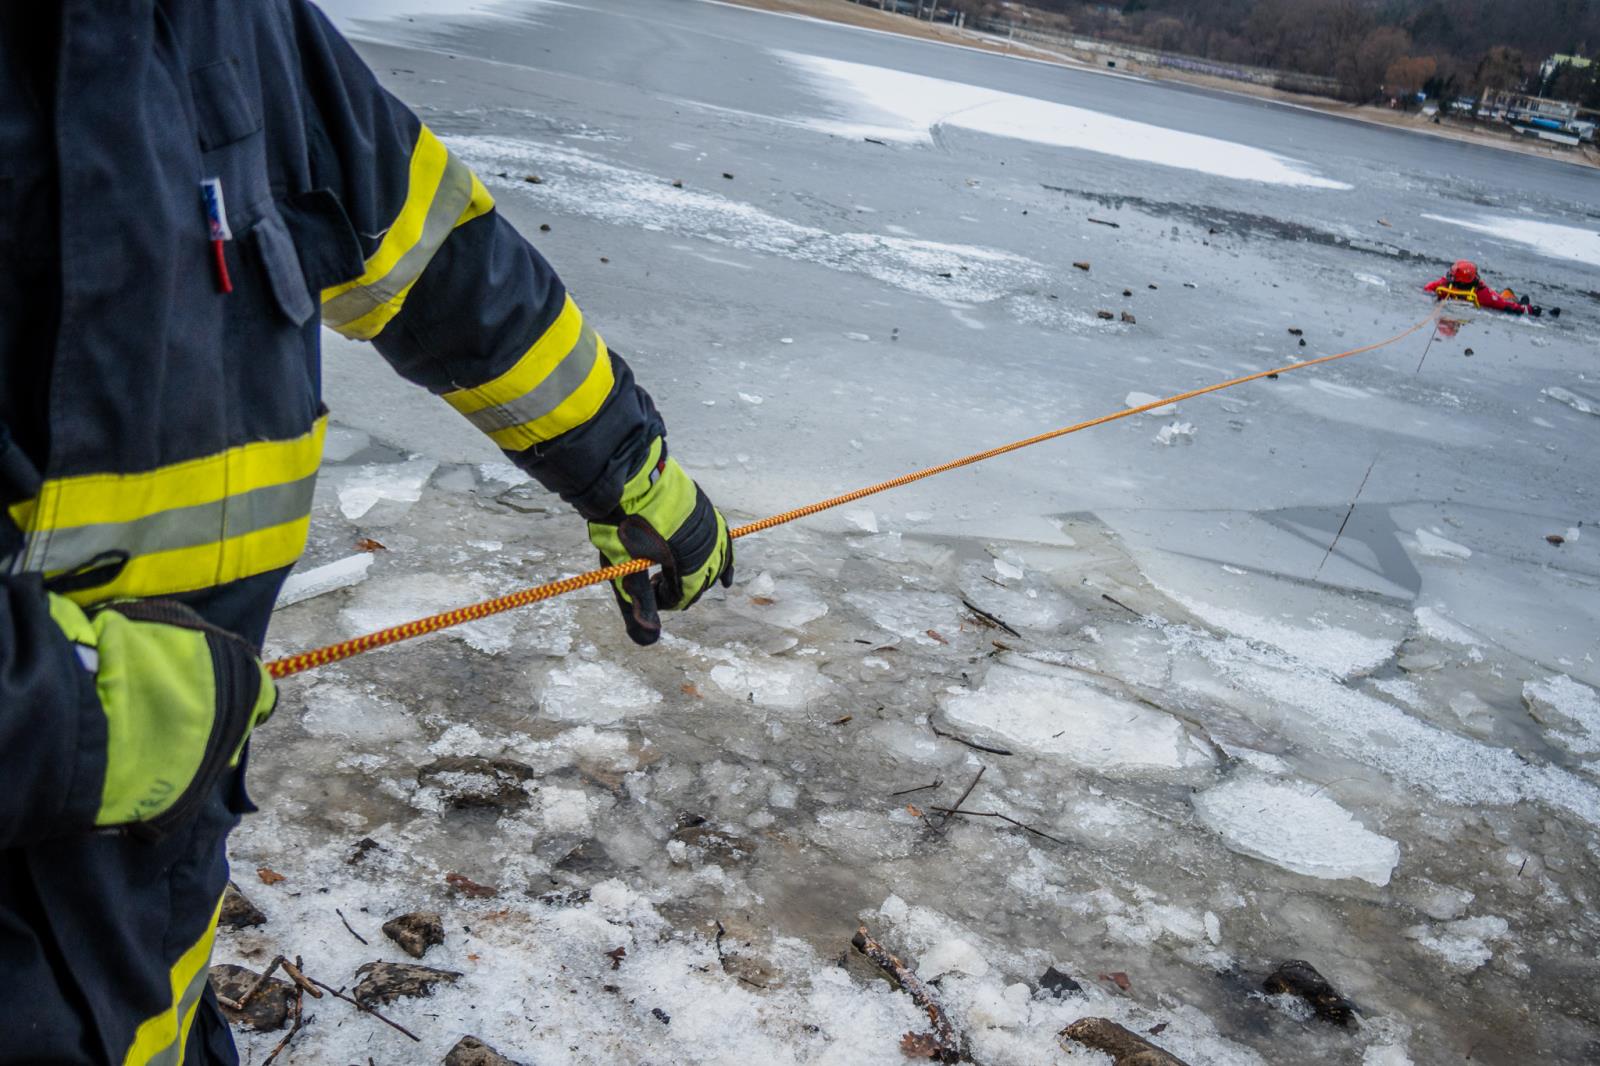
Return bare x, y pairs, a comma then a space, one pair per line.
1465, 272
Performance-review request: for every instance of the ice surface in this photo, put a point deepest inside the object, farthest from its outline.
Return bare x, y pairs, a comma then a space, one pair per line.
1547, 238
1385, 1055
585, 185
1290, 826
307, 584
894, 104
1432, 544
1057, 712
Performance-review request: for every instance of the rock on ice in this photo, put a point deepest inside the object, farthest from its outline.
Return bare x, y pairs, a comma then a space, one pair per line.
1305, 833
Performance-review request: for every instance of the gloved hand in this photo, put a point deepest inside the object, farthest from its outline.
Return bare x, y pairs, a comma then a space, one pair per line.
180, 696
666, 518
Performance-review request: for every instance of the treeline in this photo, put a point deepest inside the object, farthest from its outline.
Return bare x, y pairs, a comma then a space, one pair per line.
1372, 47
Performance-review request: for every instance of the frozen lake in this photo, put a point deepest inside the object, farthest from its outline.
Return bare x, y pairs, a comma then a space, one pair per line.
1236, 746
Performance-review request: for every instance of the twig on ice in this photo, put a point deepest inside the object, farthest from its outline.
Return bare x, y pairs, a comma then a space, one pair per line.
974, 745
250, 993
948, 812
946, 1044
339, 994
347, 925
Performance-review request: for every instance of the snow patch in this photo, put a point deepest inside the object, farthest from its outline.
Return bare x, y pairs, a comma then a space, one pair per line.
1549, 239
893, 104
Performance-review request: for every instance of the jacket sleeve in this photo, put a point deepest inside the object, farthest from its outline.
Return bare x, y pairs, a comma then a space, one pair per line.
1490, 298
1434, 284
454, 298
52, 727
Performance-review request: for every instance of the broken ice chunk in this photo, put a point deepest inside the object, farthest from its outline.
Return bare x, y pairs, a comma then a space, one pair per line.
1175, 433
863, 519
1139, 399
1568, 708
1431, 544
1462, 944
401, 482
1055, 713
1301, 831
307, 584
598, 693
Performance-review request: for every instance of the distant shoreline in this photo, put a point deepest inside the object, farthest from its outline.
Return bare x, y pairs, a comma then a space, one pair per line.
847, 13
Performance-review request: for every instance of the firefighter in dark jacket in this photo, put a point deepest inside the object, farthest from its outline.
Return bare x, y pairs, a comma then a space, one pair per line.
181, 186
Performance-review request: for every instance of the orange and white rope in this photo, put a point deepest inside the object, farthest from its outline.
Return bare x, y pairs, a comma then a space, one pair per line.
332, 653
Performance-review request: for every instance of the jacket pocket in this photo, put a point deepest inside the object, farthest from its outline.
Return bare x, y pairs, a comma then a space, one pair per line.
224, 112
281, 263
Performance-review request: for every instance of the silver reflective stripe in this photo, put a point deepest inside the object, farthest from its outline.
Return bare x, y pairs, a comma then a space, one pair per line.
181, 527
545, 397
172, 1054
451, 199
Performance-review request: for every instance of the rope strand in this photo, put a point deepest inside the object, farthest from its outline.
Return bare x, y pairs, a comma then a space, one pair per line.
332, 653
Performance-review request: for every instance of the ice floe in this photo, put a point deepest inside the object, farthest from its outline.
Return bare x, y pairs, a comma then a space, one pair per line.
1291, 826
1054, 712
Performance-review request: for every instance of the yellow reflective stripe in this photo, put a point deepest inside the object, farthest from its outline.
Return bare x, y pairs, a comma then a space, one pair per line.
100, 499
442, 193
493, 405
205, 566
190, 525
159, 1040
1452, 293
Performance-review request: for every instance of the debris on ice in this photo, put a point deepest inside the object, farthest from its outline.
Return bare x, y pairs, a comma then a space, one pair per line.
1301, 831
306, 584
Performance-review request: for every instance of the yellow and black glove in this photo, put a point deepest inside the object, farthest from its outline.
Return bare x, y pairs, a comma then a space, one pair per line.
180, 697
666, 518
